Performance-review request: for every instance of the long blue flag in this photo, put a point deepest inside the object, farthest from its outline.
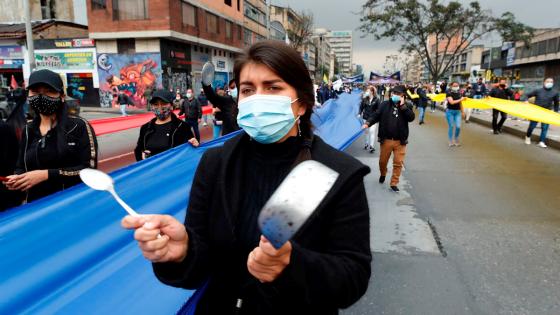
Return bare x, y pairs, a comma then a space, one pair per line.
67, 254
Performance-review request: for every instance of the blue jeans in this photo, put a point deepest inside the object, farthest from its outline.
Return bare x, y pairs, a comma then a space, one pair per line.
123, 110
453, 120
544, 130
422, 111
217, 130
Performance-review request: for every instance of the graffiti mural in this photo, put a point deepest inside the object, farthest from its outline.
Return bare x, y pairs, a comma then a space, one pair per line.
136, 74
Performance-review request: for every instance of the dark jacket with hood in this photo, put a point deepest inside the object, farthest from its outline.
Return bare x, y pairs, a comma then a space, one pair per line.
393, 121
227, 106
65, 150
180, 134
330, 263
369, 106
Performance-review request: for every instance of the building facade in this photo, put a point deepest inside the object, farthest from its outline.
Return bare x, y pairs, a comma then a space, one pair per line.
145, 44
527, 66
255, 22
67, 10
342, 47
324, 60
467, 66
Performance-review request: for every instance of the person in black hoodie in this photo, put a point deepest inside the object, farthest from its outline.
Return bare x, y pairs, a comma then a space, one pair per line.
165, 131
227, 105
193, 113
54, 146
548, 98
324, 267
369, 105
393, 116
8, 158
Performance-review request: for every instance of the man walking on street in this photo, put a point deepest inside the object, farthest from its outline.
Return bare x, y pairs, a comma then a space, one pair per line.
193, 113
545, 97
123, 101
393, 117
503, 92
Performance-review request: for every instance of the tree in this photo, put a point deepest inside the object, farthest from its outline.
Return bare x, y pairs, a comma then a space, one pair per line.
301, 31
439, 33
393, 63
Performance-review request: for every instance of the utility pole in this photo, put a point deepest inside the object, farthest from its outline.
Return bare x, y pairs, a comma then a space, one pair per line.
267, 18
29, 36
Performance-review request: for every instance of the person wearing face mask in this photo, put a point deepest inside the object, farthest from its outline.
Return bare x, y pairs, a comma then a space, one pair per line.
193, 113
502, 92
393, 117
546, 97
203, 102
454, 113
54, 146
224, 104
369, 105
163, 132
325, 266
422, 103
178, 101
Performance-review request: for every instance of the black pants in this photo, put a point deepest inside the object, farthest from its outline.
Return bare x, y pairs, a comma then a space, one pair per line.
497, 126
193, 123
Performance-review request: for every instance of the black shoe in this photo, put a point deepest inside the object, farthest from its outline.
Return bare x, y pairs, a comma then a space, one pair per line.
366, 147
395, 188
421, 123
496, 132
372, 150
499, 130
467, 122
381, 179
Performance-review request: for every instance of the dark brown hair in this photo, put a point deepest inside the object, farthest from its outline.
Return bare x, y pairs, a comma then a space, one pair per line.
287, 63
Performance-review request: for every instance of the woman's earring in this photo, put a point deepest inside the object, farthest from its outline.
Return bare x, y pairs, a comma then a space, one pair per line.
299, 128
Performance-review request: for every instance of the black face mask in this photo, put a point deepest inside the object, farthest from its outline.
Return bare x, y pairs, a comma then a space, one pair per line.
45, 105
503, 86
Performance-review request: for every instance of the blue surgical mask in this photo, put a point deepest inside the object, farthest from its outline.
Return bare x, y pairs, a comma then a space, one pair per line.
233, 93
266, 118
548, 85
396, 99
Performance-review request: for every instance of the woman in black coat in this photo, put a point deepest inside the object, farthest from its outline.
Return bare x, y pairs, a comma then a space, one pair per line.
163, 132
369, 105
54, 146
324, 267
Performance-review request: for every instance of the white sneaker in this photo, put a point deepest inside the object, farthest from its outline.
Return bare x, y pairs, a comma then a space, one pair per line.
527, 140
542, 145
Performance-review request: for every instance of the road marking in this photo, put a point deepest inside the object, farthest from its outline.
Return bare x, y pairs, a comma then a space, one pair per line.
395, 224
115, 157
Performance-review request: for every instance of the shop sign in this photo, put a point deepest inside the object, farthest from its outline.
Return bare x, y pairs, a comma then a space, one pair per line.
11, 52
65, 61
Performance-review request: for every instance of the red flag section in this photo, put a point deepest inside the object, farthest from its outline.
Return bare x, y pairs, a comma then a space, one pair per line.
110, 125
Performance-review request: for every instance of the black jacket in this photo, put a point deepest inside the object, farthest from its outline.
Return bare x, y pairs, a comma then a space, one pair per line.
64, 152
546, 98
384, 115
227, 106
505, 94
181, 134
422, 98
191, 109
330, 263
368, 107
8, 158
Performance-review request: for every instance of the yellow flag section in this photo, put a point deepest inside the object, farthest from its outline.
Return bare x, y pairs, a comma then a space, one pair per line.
518, 109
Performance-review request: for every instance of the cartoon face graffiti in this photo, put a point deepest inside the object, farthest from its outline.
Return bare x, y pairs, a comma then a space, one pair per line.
104, 63
135, 79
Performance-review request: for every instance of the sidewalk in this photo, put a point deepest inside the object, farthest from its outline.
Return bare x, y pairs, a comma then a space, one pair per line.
517, 127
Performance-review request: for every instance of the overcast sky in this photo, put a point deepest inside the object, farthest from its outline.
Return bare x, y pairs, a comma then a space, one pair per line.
340, 15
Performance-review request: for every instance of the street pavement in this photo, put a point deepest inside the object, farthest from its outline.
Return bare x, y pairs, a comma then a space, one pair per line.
474, 230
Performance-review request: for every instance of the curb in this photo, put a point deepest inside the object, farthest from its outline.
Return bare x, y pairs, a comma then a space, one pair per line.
511, 130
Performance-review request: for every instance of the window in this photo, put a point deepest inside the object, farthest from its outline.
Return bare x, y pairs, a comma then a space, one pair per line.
130, 9
227, 2
254, 14
98, 4
189, 15
47, 9
552, 46
239, 7
229, 33
248, 37
212, 23
126, 46
239, 33
541, 47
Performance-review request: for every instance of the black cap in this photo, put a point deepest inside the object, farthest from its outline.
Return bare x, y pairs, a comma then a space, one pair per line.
163, 95
399, 89
46, 77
